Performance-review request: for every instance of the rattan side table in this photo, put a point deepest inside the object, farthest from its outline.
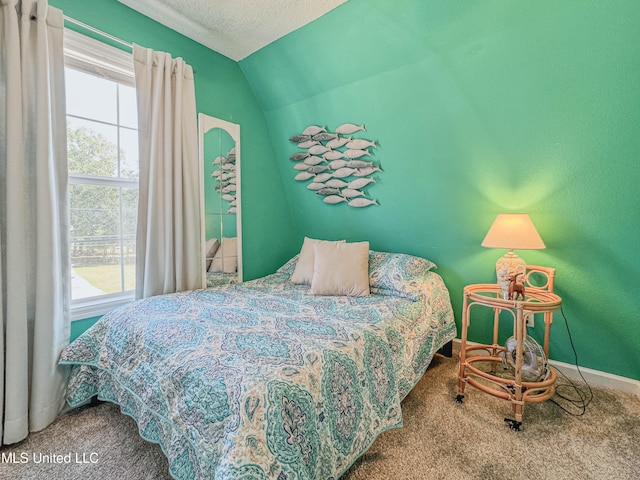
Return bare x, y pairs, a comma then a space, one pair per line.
510, 387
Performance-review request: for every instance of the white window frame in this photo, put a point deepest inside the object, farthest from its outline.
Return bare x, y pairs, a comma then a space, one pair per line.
97, 58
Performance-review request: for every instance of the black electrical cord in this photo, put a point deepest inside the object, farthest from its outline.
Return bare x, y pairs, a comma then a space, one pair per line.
584, 398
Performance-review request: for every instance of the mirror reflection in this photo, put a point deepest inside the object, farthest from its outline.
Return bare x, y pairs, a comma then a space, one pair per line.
220, 159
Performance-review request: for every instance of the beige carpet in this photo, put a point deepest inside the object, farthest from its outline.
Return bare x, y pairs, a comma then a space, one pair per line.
440, 440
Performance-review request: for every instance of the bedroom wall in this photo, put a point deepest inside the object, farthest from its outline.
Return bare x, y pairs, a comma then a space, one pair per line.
221, 91
481, 107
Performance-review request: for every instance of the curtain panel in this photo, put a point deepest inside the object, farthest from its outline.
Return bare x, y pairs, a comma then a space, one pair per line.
168, 244
34, 258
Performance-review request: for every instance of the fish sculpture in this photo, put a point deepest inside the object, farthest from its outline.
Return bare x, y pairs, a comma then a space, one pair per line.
299, 156
301, 166
232, 210
218, 160
323, 177
349, 128
216, 173
228, 197
355, 153
324, 136
362, 202
308, 143
313, 130
349, 193
327, 191
358, 164
338, 142
317, 168
333, 199
335, 183
360, 144
228, 175
344, 172
228, 166
316, 186
360, 182
302, 176
364, 172
229, 188
300, 138
333, 155
313, 160
318, 150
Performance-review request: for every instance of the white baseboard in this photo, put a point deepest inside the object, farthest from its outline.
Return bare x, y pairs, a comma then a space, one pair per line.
593, 377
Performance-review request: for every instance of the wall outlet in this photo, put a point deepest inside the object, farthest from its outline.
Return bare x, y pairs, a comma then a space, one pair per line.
530, 321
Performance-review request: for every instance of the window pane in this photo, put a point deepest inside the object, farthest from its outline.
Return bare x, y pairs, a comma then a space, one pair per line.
128, 153
91, 97
128, 106
92, 148
129, 224
102, 260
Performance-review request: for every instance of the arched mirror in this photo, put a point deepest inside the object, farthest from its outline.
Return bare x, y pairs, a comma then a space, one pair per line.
220, 168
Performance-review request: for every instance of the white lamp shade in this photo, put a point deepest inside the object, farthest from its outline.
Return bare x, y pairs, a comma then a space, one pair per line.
513, 231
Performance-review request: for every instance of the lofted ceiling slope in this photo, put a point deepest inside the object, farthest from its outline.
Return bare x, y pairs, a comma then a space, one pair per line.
234, 28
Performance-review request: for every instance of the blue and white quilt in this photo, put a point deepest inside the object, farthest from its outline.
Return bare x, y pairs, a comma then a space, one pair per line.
262, 380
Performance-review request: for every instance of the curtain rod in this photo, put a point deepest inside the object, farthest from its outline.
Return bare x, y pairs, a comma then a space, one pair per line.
99, 32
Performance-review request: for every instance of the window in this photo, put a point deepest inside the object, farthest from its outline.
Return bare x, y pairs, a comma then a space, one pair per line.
102, 144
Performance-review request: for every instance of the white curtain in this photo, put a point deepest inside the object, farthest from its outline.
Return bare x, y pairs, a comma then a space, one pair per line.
168, 249
34, 261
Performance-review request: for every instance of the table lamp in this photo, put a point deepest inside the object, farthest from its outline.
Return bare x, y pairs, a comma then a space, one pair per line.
511, 231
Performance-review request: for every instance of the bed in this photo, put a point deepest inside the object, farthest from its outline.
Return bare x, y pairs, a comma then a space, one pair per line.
261, 380
219, 279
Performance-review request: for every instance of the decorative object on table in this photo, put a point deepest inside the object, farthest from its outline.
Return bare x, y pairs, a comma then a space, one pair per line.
516, 287
225, 175
511, 231
338, 165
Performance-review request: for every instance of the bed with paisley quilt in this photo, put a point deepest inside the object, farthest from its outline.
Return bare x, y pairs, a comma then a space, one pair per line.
262, 380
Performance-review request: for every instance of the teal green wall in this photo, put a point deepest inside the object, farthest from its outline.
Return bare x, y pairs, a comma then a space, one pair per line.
79, 326
481, 107
221, 91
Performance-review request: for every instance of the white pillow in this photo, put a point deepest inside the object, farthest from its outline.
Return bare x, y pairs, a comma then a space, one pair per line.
226, 258
341, 269
303, 272
211, 248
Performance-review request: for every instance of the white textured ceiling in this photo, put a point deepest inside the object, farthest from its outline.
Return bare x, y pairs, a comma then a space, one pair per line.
234, 28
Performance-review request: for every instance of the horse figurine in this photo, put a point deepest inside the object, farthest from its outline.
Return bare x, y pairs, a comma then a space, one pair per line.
515, 287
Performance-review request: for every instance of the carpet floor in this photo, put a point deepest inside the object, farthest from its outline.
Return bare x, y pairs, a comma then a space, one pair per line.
440, 440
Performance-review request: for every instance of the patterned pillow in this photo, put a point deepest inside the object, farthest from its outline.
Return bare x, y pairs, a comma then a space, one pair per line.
290, 266
397, 274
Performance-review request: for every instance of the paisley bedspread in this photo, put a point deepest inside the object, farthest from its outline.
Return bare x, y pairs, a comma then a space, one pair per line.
262, 380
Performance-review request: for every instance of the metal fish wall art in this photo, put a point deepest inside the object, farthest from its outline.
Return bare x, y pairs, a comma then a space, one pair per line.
225, 178
338, 164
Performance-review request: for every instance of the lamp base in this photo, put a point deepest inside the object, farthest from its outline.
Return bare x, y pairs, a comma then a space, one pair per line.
509, 266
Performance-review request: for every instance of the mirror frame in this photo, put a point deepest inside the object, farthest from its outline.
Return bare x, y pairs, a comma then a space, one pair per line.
205, 124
